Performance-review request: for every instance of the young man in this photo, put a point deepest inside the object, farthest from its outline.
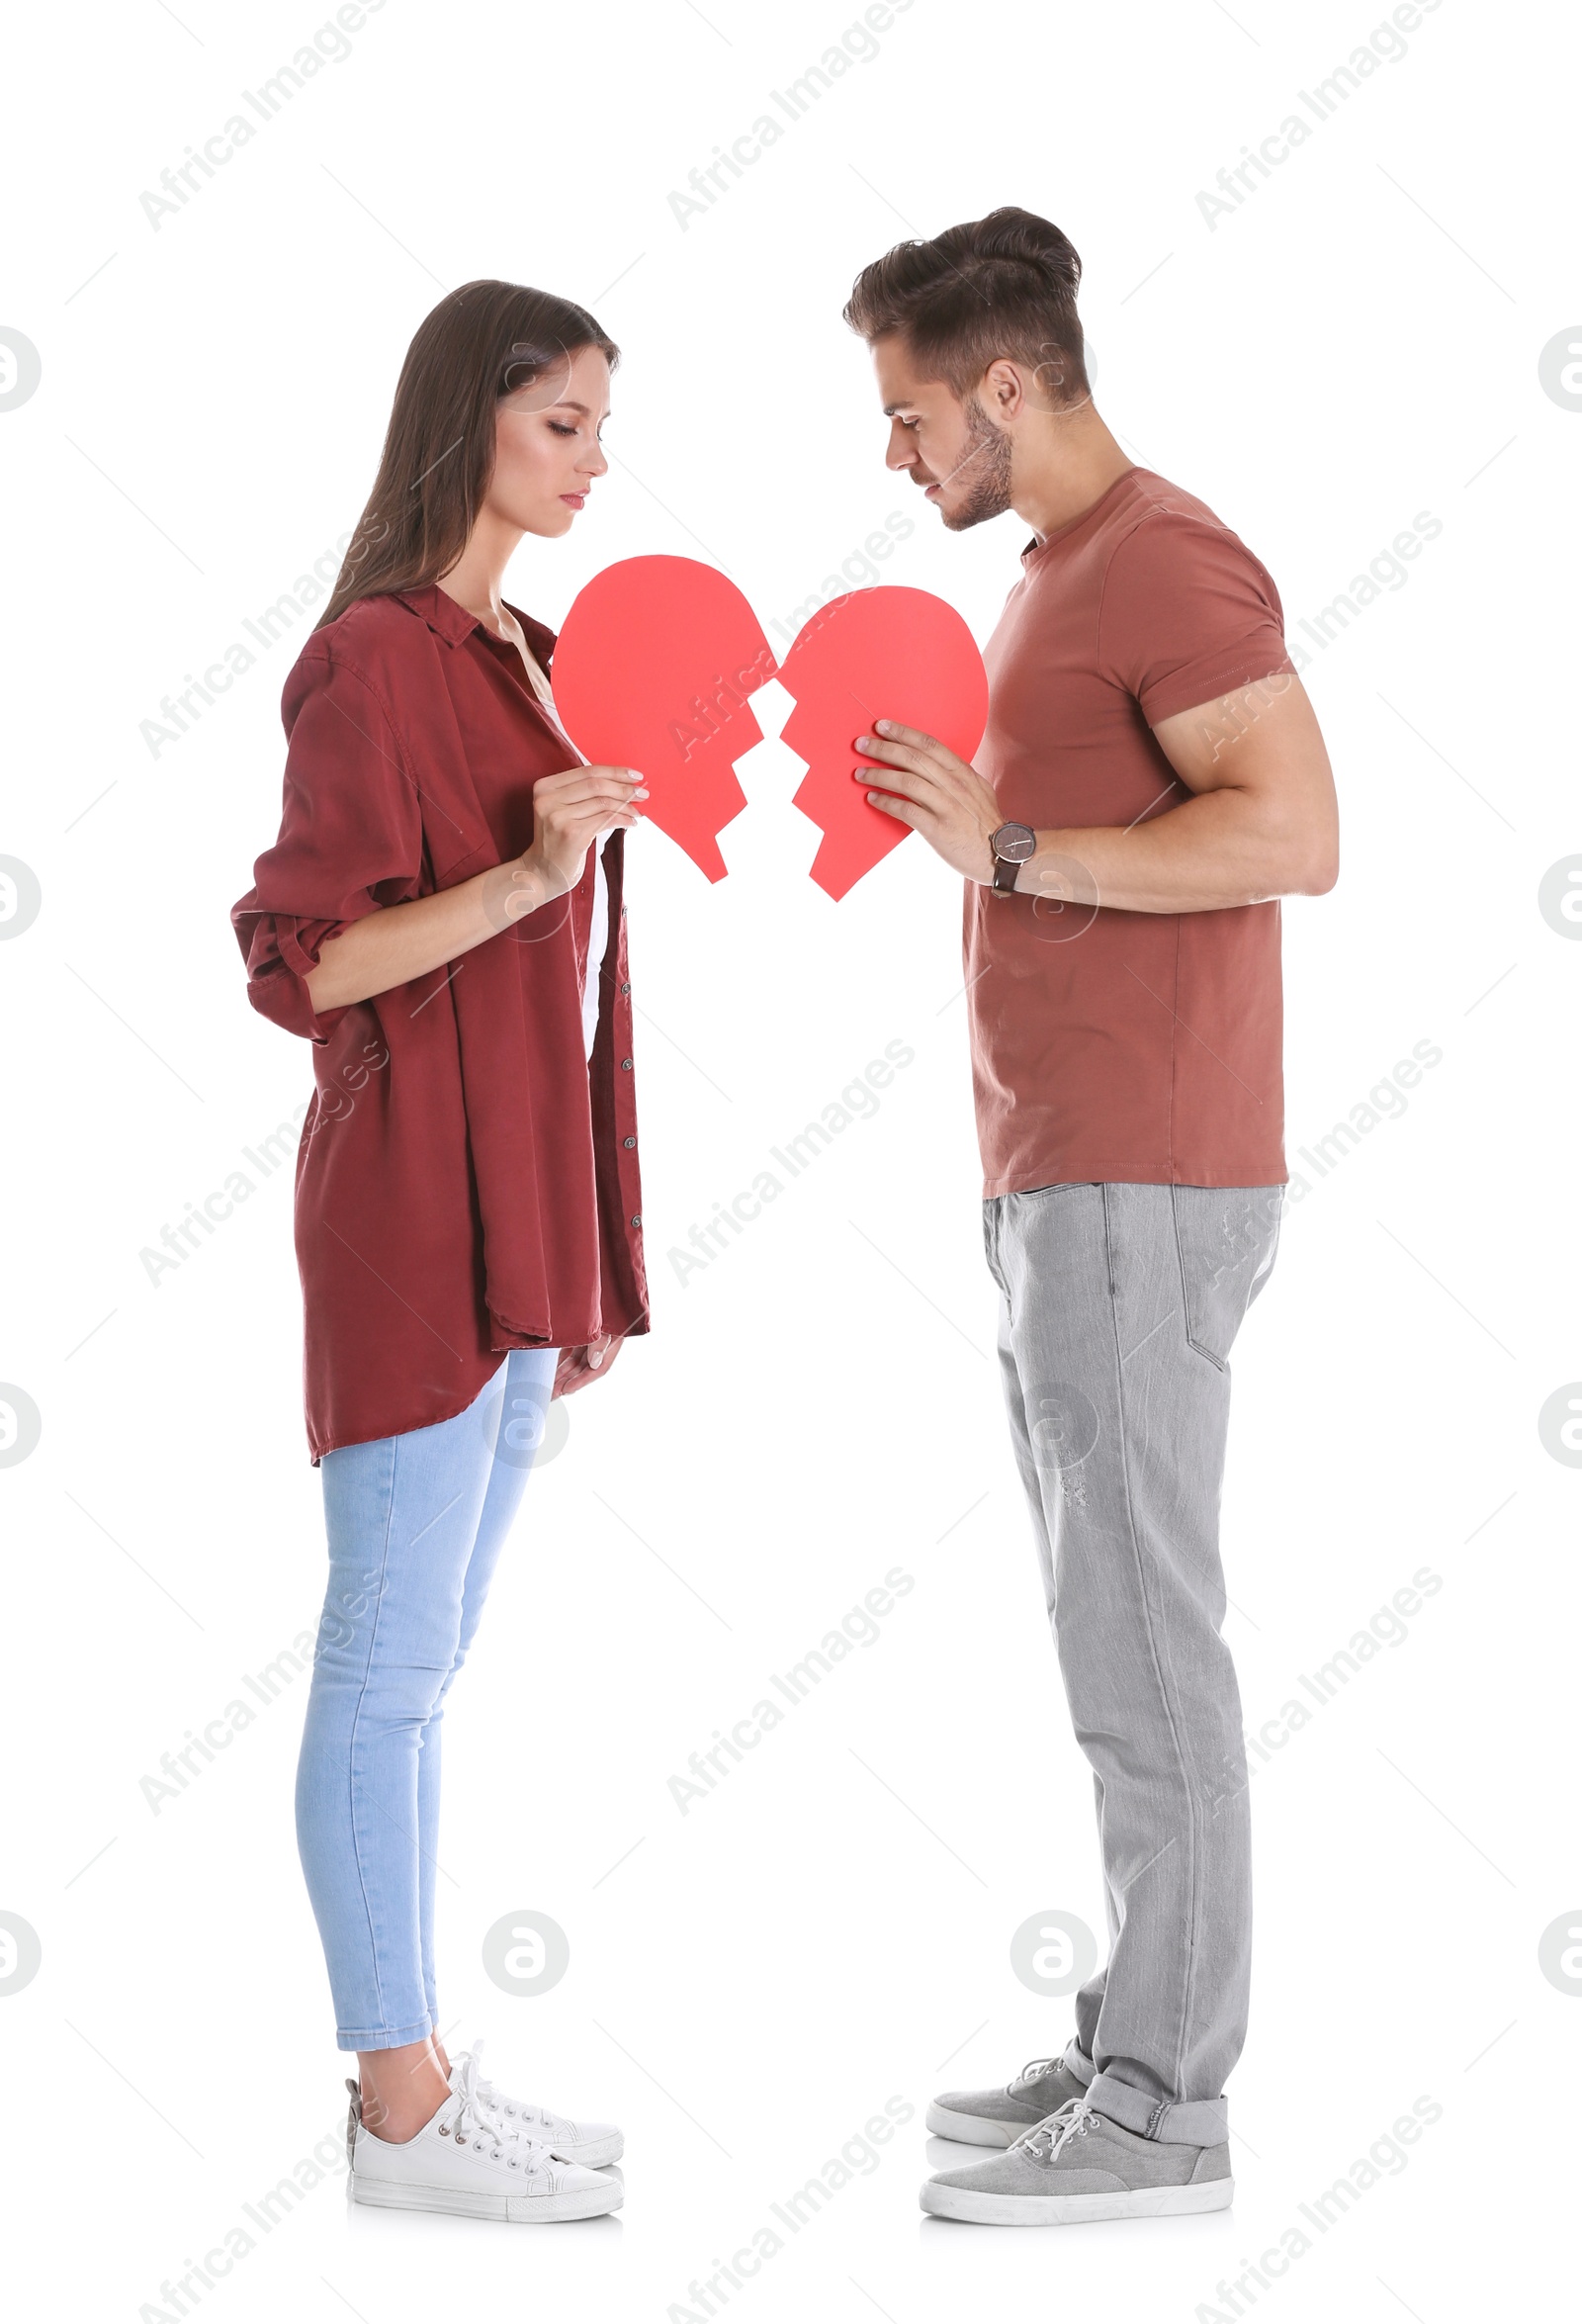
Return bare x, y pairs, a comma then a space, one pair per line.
1150, 781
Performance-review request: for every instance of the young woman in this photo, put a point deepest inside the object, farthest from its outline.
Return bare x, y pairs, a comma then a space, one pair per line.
441, 916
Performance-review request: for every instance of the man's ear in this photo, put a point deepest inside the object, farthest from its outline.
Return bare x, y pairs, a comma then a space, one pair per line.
1004, 391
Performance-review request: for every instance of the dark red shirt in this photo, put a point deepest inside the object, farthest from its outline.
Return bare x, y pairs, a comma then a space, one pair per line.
467, 1180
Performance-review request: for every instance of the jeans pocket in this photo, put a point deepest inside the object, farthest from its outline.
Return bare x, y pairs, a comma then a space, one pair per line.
991, 1241
1225, 1243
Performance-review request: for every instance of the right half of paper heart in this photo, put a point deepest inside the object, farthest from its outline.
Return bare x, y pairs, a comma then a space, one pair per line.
881, 653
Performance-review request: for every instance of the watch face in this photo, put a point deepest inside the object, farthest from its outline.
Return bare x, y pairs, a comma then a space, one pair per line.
1013, 842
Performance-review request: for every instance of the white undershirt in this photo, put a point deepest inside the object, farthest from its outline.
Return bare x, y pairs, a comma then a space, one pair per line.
599, 928
597, 936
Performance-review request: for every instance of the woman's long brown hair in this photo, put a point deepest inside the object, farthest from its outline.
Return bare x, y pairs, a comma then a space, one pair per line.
479, 343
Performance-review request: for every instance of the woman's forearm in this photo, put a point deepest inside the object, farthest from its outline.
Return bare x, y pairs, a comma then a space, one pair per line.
391, 946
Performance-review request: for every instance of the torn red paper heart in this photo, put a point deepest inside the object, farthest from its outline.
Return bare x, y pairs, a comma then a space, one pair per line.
657, 656
884, 653
653, 669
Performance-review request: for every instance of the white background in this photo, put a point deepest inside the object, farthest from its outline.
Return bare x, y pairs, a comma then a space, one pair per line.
1359, 341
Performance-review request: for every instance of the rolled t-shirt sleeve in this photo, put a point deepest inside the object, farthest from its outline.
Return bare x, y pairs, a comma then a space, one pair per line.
1188, 614
350, 838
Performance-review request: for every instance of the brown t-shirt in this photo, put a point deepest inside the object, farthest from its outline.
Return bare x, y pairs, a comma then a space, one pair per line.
1107, 1045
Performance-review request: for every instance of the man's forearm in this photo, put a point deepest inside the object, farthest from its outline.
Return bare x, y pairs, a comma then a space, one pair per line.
1216, 850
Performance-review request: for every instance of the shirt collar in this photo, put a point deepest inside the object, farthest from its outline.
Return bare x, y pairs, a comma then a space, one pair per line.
452, 622
1063, 532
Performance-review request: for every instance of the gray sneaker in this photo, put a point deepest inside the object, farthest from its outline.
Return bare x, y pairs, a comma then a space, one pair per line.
994, 2118
1080, 2166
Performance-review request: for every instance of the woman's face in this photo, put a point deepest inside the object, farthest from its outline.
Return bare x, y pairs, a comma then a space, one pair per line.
547, 445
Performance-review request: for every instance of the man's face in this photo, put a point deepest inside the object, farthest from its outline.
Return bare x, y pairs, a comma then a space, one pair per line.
951, 450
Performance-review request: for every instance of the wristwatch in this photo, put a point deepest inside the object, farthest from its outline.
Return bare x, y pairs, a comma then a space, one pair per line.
1011, 845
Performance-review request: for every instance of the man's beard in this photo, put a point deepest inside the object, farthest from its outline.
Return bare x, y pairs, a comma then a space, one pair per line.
987, 461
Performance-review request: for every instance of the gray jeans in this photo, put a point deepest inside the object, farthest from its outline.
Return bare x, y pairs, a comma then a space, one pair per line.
1120, 1305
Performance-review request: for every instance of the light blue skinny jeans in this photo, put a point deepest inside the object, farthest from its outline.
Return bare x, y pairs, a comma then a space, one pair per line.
416, 1524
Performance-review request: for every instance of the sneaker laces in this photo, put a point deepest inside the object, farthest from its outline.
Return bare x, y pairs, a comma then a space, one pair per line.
1033, 2071
472, 2113
1047, 2140
493, 2101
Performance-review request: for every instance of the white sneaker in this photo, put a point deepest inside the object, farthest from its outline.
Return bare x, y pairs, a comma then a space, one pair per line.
590, 2143
466, 2160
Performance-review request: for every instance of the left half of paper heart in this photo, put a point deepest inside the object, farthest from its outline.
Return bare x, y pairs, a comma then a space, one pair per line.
654, 669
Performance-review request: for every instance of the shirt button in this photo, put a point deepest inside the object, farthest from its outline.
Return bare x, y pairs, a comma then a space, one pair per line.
629, 1141
637, 1218
626, 988
626, 1064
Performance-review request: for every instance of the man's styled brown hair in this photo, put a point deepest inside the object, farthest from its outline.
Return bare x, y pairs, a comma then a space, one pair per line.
1001, 285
